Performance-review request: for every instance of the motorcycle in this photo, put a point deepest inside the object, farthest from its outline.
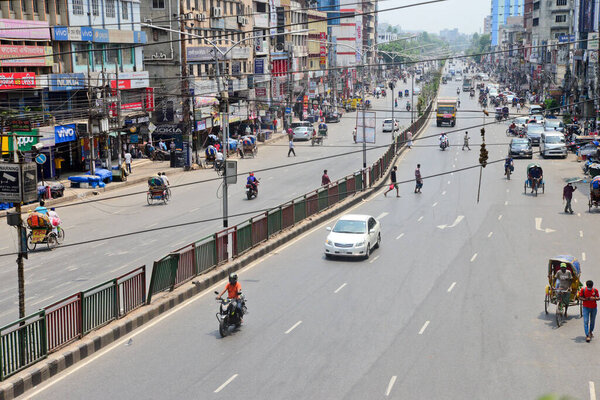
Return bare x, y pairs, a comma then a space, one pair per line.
251, 191
444, 144
407, 107
229, 315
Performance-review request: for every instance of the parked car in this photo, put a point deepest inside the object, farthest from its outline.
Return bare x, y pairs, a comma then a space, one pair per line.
552, 143
297, 124
302, 132
387, 125
520, 148
534, 133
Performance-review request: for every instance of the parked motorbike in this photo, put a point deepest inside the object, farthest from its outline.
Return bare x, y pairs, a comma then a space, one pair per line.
251, 190
229, 314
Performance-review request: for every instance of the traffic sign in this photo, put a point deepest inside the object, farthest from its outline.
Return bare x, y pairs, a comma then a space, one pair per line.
40, 159
288, 110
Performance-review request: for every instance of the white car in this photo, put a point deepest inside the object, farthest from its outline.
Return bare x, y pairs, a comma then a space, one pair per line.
387, 125
353, 235
417, 91
302, 133
485, 77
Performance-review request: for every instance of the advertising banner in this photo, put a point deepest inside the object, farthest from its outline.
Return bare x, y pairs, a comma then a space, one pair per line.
33, 56
64, 133
24, 142
586, 16
65, 82
369, 128
24, 29
17, 80
131, 80
359, 38
323, 50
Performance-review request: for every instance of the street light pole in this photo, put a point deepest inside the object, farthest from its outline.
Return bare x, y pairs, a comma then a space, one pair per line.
412, 98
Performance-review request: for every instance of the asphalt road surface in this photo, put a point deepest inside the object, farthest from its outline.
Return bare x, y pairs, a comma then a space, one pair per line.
450, 306
53, 275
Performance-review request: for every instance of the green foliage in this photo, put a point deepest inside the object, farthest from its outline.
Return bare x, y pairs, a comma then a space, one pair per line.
551, 105
479, 44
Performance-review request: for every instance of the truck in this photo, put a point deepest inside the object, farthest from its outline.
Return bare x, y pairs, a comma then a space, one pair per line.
446, 111
467, 84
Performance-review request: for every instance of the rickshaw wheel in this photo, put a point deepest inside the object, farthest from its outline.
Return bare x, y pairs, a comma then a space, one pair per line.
546, 303
589, 205
580, 309
165, 197
525, 187
51, 240
30, 244
149, 199
61, 235
543, 188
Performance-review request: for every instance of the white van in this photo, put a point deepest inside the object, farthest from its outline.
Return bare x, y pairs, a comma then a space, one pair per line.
552, 143
535, 109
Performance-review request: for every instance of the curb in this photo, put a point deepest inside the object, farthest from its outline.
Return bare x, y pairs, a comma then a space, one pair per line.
60, 361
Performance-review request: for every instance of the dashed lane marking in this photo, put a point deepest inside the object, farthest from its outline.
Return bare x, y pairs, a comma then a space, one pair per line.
399, 236
373, 260
490, 234
444, 193
580, 233
424, 327
382, 215
451, 287
507, 190
390, 386
579, 214
194, 209
474, 257
592, 390
453, 165
506, 203
420, 219
434, 204
293, 327
499, 217
340, 288
583, 256
448, 182
227, 382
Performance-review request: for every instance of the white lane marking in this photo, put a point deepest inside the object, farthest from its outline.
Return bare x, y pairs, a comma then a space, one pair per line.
506, 203
269, 178
592, 391
583, 256
399, 236
454, 165
451, 287
507, 190
424, 327
373, 260
444, 193
448, 182
474, 257
580, 233
499, 217
227, 382
293, 327
579, 214
538, 226
43, 300
72, 268
152, 225
456, 222
390, 385
434, 204
194, 209
119, 268
490, 234
420, 219
382, 215
340, 288
451, 173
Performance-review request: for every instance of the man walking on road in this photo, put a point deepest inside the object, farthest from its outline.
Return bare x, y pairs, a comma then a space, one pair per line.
128, 161
590, 296
409, 138
568, 196
291, 150
325, 181
393, 183
418, 179
466, 142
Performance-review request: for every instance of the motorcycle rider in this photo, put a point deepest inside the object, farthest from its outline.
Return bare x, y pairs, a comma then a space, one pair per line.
233, 289
443, 140
508, 163
252, 181
408, 106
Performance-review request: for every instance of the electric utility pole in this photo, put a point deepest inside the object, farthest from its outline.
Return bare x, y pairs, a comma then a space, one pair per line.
185, 85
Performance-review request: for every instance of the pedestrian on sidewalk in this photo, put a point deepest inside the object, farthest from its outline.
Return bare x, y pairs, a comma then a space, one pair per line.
275, 125
568, 196
409, 138
418, 179
325, 181
58, 166
128, 161
466, 142
354, 134
393, 183
291, 150
590, 296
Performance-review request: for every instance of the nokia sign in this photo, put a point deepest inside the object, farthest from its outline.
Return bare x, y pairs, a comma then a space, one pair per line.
65, 82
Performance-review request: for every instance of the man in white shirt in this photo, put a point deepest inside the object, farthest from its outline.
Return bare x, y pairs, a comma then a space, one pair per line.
128, 161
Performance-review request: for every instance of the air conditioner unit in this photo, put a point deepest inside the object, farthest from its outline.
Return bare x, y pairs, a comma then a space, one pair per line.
240, 20
279, 47
216, 12
148, 21
200, 17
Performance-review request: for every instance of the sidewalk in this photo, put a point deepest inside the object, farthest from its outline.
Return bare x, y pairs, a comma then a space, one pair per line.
141, 169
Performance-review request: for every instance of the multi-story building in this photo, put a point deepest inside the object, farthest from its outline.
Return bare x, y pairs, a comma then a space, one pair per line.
487, 25
582, 80
501, 10
317, 53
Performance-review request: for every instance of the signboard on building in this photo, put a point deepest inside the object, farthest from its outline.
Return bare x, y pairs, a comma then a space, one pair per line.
17, 80
259, 65
19, 125
260, 92
236, 68
25, 141
149, 99
64, 133
101, 36
323, 50
586, 16
565, 38
32, 56
131, 80
369, 128
24, 29
592, 41
359, 38
273, 4
201, 53
65, 82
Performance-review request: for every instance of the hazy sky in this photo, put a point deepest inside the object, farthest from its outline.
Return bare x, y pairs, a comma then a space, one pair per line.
466, 15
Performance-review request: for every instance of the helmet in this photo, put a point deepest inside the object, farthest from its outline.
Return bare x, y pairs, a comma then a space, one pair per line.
251, 174
563, 265
233, 279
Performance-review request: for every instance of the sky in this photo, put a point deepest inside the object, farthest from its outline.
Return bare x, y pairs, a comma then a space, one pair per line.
466, 15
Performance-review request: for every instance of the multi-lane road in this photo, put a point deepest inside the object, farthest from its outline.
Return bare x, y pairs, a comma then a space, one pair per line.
53, 275
450, 306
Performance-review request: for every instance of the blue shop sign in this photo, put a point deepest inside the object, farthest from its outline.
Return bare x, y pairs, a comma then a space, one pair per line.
64, 82
87, 34
139, 37
60, 33
101, 36
64, 133
259, 65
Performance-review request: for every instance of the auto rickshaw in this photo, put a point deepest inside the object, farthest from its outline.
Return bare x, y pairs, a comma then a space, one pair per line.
552, 294
499, 114
406, 93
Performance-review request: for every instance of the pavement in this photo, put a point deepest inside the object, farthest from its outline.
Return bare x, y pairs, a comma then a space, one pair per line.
197, 201
450, 306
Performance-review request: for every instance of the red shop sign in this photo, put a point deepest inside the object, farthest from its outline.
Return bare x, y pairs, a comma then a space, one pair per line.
17, 80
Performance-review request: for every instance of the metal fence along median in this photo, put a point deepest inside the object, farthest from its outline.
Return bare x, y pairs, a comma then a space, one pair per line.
28, 340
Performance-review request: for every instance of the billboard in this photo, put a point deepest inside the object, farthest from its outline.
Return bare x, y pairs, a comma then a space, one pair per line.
17, 80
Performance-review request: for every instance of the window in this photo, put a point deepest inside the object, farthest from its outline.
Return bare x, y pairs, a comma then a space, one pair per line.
57, 6
98, 54
124, 10
81, 54
127, 56
35, 6
536, 21
561, 18
231, 8
160, 4
561, 2
188, 4
95, 8
536, 6
110, 9
203, 5
112, 54
78, 7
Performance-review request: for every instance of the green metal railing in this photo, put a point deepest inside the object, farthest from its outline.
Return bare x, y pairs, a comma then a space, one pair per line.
99, 305
22, 343
244, 237
163, 275
274, 221
299, 210
206, 254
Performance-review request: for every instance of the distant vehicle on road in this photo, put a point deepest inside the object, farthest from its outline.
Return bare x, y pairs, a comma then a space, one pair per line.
550, 124
446, 111
353, 235
534, 133
552, 143
332, 117
520, 148
535, 109
302, 132
387, 125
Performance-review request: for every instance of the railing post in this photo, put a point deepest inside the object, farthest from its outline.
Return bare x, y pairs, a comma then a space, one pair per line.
81, 313
116, 298
143, 284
